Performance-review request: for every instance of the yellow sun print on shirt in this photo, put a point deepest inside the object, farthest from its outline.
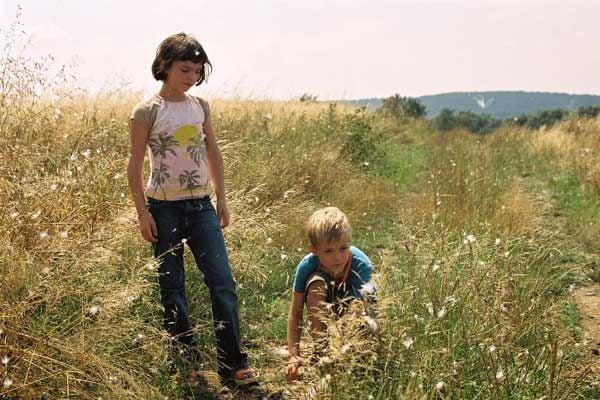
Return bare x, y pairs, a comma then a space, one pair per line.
186, 134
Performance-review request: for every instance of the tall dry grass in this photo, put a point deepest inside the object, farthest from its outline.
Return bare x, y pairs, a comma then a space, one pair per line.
470, 279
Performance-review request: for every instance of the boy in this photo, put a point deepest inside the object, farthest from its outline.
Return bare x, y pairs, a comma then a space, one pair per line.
332, 275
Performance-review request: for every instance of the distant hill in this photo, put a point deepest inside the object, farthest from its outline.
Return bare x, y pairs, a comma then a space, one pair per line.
500, 104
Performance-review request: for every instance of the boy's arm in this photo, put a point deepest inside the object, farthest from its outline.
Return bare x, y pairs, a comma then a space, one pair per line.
294, 332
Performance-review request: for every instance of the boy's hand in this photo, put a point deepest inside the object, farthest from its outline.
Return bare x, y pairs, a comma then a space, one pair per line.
292, 372
148, 227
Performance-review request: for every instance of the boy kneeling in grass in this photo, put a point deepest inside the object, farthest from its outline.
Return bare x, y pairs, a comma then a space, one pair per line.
332, 276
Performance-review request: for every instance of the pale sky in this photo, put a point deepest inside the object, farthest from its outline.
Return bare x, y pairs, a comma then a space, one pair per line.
336, 49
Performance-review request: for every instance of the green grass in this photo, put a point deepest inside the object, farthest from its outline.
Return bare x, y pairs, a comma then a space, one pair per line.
485, 319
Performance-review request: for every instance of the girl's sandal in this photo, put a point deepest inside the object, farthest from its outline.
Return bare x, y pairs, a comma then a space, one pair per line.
245, 377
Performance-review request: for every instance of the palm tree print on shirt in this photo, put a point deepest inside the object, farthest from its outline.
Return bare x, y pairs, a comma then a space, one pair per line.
196, 149
160, 177
190, 180
161, 146
191, 137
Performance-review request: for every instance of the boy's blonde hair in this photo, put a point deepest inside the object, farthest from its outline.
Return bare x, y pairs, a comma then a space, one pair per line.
328, 224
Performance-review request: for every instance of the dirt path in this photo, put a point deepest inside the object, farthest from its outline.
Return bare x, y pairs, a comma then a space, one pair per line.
587, 299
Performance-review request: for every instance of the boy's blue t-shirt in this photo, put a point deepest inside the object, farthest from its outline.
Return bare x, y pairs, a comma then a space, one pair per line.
360, 272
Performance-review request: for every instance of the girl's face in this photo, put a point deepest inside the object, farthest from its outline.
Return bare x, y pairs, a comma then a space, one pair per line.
182, 75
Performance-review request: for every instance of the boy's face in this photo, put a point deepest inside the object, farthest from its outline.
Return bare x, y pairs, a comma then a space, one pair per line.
182, 75
333, 255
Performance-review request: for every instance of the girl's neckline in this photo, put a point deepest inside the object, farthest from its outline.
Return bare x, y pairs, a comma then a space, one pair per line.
187, 96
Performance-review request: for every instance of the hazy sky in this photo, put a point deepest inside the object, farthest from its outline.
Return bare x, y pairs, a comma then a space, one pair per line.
331, 48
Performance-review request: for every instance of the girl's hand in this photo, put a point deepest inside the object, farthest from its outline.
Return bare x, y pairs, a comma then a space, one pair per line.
148, 227
223, 213
292, 372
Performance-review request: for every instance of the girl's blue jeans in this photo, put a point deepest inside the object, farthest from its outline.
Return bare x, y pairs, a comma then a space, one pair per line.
196, 221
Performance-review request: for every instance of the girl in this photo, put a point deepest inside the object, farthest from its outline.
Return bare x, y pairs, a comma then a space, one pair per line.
175, 207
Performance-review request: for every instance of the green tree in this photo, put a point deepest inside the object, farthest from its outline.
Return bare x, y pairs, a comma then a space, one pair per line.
399, 106
445, 120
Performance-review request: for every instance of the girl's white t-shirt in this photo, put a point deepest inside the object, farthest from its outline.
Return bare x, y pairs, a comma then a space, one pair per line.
176, 147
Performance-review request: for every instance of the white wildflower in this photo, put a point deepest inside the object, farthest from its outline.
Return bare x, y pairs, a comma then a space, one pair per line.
269, 240
442, 312
281, 352
469, 239
5, 360
93, 310
435, 267
117, 176
86, 153
7, 383
500, 375
283, 257
220, 326
184, 240
14, 215
430, 308
450, 300
268, 116
345, 348
53, 187
497, 242
408, 343
492, 348
46, 270
325, 360
73, 157
439, 385
63, 234
367, 289
371, 323
43, 235
366, 163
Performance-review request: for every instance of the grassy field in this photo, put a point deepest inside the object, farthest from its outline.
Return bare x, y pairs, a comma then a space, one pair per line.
478, 243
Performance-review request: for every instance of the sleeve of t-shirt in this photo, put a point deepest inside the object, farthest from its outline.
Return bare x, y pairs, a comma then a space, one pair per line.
305, 267
141, 115
361, 272
205, 107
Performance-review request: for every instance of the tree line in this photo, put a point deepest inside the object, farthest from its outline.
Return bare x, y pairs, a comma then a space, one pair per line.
407, 107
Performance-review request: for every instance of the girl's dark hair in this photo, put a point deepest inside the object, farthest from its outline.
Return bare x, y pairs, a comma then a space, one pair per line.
180, 47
